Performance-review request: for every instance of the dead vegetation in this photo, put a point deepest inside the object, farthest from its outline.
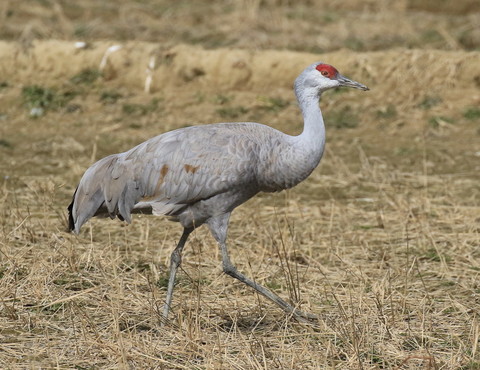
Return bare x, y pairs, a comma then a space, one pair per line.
382, 241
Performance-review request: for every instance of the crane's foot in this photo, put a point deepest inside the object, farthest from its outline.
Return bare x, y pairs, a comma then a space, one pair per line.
304, 316
164, 320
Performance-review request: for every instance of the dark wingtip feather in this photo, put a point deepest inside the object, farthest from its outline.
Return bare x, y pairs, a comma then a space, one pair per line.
71, 222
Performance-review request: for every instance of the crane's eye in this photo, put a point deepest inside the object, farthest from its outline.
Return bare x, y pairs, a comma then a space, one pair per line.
325, 73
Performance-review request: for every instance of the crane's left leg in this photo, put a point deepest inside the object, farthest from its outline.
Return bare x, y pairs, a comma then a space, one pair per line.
175, 261
219, 227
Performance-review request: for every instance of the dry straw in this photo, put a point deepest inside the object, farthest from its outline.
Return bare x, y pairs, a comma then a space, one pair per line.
381, 241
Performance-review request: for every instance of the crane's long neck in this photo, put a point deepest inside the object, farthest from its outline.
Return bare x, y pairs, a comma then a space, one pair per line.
313, 135
312, 139
289, 161
299, 155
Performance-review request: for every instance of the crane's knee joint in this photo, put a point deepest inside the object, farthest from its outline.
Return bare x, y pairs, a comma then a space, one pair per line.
176, 258
229, 269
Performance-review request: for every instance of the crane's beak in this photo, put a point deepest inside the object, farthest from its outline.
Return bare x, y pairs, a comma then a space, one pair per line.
350, 83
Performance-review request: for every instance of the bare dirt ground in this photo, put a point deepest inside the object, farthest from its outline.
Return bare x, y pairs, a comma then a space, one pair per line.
382, 241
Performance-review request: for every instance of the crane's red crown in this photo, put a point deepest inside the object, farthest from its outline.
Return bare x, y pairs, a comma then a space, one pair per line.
327, 70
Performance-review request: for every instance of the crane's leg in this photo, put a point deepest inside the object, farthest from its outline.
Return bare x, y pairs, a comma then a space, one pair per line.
175, 261
219, 227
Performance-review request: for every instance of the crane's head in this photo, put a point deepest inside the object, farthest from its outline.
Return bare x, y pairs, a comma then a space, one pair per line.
319, 77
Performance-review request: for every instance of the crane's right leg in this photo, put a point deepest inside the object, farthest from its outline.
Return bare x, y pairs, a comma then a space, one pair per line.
218, 227
175, 261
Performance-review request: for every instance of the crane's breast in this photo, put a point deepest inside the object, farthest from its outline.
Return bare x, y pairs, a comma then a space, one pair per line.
283, 165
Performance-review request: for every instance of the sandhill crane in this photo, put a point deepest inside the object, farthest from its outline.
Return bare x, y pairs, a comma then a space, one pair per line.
198, 175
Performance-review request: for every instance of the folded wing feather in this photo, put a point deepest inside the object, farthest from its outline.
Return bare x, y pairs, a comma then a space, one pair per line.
166, 173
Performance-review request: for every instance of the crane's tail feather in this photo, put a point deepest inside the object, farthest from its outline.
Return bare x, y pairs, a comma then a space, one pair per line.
71, 221
105, 189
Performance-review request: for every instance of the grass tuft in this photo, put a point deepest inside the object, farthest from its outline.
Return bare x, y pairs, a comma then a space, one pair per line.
141, 109
36, 97
472, 113
343, 118
232, 112
86, 76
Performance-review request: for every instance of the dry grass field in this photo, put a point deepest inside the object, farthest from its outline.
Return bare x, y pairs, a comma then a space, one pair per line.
382, 241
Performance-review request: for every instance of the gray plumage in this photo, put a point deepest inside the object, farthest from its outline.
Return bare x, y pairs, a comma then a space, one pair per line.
198, 175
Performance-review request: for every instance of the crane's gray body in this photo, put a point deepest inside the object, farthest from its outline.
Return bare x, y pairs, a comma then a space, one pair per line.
199, 174
193, 173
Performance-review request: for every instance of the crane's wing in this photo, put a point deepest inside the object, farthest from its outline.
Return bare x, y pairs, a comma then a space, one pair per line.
167, 173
